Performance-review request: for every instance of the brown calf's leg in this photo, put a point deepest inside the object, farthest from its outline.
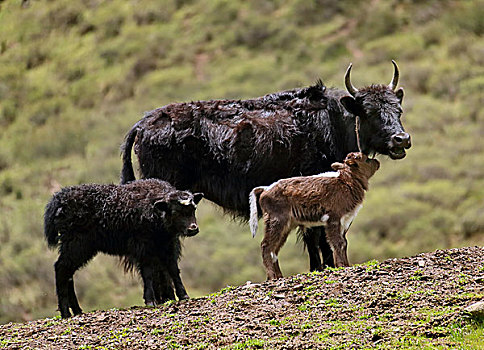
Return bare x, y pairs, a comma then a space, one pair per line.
274, 237
337, 242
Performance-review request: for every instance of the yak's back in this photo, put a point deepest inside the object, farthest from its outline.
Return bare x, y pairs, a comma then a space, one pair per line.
231, 131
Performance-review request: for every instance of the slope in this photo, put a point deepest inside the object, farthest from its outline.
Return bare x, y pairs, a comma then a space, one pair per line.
410, 303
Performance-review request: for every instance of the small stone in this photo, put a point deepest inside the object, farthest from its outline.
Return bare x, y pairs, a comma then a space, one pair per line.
476, 309
278, 296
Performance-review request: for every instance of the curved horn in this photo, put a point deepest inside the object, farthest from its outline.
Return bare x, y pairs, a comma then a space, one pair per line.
396, 75
351, 89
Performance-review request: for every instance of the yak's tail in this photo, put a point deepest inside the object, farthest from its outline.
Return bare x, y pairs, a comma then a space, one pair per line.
254, 215
50, 230
127, 173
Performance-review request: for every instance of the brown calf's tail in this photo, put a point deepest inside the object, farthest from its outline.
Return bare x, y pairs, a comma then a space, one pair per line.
254, 215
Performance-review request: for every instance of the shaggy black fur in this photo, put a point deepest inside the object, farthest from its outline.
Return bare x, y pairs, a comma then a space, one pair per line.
141, 222
225, 148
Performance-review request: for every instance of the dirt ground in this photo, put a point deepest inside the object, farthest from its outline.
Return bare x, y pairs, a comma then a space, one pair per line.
413, 302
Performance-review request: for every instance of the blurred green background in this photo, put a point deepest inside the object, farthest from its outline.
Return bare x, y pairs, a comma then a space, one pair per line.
76, 74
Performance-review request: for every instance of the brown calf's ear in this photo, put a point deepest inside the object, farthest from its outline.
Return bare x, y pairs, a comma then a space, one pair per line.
197, 197
399, 94
337, 166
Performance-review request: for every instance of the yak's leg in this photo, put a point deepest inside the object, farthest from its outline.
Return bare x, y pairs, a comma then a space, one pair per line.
311, 239
326, 251
147, 271
337, 240
276, 232
69, 261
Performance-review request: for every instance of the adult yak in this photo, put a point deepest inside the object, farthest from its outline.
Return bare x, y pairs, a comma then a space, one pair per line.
225, 148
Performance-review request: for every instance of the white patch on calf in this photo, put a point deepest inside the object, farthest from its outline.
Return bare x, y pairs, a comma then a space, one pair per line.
327, 174
348, 218
274, 257
307, 224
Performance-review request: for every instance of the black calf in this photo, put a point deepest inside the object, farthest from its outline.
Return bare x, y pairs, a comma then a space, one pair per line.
141, 222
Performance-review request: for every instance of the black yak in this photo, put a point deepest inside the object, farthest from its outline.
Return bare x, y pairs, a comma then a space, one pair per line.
225, 148
331, 199
141, 222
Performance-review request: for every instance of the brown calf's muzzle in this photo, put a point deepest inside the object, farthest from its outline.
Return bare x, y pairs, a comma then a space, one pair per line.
375, 164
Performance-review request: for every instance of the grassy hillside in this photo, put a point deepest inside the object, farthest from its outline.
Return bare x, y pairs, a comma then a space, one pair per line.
75, 75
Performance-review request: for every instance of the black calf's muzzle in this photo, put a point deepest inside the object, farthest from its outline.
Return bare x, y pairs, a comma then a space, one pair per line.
192, 230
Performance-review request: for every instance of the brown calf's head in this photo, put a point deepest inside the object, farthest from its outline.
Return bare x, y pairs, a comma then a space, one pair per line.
360, 162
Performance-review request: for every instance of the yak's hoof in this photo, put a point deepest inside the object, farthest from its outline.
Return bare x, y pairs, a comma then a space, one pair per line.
184, 297
150, 304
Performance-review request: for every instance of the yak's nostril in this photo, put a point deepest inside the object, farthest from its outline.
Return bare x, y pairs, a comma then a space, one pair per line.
193, 227
401, 140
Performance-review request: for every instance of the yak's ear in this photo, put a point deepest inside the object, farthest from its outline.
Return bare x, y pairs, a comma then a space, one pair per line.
197, 197
350, 104
399, 94
337, 166
163, 206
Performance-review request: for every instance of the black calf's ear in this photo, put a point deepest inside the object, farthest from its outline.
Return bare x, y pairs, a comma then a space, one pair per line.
350, 104
197, 197
399, 94
162, 206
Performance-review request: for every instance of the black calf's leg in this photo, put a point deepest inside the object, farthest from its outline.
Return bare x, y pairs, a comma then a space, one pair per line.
162, 285
166, 287
69, 261
63, 272
174, 272
311, 239
73, 303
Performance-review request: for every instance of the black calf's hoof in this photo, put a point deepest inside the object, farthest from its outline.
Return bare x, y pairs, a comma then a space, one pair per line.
150, 304
184, 297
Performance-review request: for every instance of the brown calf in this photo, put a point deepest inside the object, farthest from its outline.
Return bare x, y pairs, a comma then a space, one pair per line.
330, 199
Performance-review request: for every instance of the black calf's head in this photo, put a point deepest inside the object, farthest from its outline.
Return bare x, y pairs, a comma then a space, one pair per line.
180, 212
379, 108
